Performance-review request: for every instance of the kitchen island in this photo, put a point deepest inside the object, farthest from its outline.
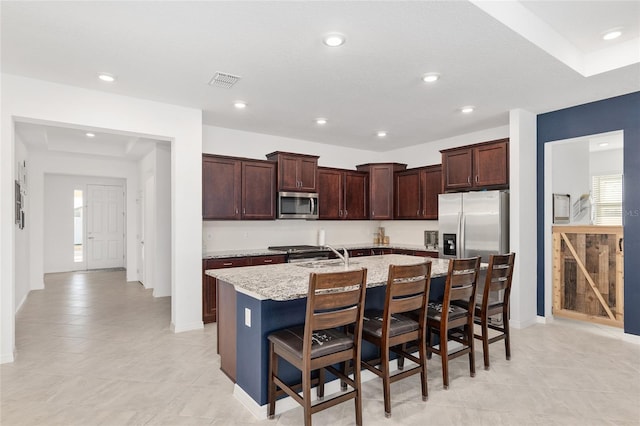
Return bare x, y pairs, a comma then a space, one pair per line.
257, 300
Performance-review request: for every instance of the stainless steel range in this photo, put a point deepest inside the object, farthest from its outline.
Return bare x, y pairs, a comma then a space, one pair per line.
303, 253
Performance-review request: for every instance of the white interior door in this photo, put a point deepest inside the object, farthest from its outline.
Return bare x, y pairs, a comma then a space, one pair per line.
105, 226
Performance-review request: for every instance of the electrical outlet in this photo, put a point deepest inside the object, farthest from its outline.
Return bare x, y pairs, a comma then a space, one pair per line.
247, 317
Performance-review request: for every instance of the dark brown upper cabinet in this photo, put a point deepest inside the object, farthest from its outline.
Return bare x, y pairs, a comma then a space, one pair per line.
381, 176
296, 172
479, 166
342, 194
234, 188
416, 192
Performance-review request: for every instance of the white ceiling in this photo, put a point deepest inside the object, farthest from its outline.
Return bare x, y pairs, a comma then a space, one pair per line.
497, 56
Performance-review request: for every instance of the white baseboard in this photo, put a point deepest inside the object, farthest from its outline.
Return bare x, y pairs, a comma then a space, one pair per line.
197, 325
287, 403
8, 357
631, 338
544, 320
24, 299
523, 324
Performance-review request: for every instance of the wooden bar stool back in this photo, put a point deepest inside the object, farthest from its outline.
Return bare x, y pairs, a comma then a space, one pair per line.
407, 292
494, 300
453, 322
335, 302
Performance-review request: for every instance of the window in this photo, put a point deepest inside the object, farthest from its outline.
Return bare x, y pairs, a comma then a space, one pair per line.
607, 199
78, 210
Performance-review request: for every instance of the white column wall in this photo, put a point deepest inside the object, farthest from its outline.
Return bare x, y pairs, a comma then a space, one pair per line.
24, 98
522, 206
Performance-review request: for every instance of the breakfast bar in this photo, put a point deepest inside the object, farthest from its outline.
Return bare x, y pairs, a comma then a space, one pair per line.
255, 301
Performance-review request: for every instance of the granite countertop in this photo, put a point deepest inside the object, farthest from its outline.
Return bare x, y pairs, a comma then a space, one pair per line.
288, 281
267, 252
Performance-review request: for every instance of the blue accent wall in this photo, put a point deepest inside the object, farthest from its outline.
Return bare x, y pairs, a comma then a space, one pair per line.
619, 113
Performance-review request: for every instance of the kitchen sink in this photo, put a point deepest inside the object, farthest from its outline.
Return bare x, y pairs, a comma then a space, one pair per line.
323, 264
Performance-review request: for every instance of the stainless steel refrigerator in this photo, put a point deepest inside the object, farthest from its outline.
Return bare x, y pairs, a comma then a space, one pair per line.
473, 224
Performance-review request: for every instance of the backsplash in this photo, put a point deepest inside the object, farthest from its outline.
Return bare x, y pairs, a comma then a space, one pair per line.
236, 235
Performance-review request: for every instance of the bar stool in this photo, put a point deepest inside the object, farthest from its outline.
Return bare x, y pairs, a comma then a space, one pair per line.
453, 322
335, 302
494, 300
407, 291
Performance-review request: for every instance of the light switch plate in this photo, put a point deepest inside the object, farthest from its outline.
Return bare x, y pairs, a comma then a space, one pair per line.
247, 317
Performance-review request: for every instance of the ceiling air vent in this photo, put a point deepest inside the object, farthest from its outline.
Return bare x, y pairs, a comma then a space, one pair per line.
224, 80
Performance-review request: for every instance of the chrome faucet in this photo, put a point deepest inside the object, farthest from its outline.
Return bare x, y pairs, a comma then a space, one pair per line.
344, 257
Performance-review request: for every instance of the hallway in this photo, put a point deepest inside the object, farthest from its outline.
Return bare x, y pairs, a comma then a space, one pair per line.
93, 349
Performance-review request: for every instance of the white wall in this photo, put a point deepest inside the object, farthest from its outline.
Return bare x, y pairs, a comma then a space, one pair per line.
608, 162
24, 98
162, 267
22, 235
58, 223
574, 179
522, 216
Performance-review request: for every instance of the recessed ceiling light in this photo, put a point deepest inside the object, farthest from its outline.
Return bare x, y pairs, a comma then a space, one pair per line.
106, 77
240, 104
321, 121
334, 39
467, 109
430, 77
611, 34
381, 133
90, 135
603, 144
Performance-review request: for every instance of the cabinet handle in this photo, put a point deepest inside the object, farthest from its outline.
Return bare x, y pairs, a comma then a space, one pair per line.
620, 243
418, 212
476, 178
268, 260
346, 213
469, 180
423, 213
339, 213
227, 264
244, 211
236, 210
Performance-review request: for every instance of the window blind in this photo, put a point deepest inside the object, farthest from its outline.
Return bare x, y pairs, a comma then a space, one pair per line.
607, 199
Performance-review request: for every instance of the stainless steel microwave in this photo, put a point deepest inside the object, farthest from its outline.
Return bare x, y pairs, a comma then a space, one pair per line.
297, 205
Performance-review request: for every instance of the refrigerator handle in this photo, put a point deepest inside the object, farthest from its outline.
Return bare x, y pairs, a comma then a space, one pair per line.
462, 252
460, 233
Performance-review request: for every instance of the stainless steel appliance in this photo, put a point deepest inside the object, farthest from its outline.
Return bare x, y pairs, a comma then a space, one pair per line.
473, 224
303, 253
297, 205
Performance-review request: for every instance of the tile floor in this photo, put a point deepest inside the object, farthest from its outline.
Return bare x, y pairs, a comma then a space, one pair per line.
93, 349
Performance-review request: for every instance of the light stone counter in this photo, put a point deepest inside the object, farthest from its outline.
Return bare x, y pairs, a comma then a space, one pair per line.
288, 281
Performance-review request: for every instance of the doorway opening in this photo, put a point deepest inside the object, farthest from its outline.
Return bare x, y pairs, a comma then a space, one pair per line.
584, 247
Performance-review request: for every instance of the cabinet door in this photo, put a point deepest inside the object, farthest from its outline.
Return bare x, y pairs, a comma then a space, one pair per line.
330, 194
258, 190
220, 188
408, 202
381, 192
431, 188
356, 193
208, 294
457, 169
307, 174
491, 165
288, 173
